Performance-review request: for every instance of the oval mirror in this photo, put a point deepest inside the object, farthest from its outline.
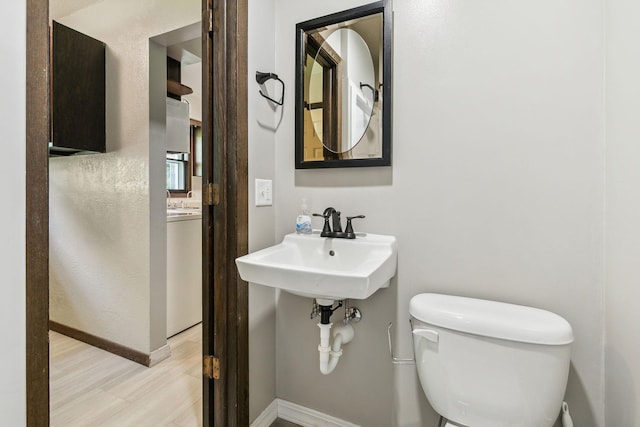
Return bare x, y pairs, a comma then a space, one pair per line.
343, 89
356, 80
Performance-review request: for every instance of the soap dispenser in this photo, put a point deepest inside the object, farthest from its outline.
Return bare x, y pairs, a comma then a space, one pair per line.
303, 221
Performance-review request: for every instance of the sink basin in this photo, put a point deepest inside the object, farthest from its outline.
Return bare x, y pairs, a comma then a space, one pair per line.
324, 268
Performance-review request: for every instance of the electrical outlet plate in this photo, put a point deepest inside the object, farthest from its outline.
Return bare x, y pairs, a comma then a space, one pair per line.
264, 192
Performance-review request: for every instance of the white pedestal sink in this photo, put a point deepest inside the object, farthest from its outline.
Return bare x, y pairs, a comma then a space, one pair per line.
324, 268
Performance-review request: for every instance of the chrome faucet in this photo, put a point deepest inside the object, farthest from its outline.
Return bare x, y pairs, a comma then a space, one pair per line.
334, 215
168, 199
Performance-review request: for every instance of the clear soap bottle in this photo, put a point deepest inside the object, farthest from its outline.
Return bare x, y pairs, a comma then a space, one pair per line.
303, 221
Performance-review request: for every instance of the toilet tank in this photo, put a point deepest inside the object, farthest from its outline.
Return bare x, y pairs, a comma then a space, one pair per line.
490, 364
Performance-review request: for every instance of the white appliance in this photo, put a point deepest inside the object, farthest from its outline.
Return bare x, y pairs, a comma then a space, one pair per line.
490, 364
184, 272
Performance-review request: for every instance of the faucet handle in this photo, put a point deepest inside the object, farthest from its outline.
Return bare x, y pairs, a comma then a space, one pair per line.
326, 229
349, 228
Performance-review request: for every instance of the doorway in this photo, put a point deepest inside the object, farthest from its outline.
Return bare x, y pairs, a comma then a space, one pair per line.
225, 230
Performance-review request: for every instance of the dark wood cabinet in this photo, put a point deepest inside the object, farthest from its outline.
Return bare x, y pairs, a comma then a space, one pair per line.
78, 92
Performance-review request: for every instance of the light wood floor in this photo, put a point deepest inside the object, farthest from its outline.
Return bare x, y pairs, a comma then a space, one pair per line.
92, 387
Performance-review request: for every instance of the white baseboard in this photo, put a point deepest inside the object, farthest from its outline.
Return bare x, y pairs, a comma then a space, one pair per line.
159, 355
268, 416
297, 414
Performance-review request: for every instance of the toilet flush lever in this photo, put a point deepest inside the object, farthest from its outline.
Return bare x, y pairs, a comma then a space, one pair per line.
429, 334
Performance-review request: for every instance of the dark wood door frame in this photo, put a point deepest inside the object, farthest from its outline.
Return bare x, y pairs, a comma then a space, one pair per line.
225, 161
225, 220
37, 211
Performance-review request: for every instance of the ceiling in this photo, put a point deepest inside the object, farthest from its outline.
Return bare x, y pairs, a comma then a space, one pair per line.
188, 52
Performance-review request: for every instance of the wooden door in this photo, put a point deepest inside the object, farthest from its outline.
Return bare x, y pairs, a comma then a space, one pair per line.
225, 214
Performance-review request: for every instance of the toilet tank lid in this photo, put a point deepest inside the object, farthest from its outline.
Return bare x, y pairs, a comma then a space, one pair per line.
491, 319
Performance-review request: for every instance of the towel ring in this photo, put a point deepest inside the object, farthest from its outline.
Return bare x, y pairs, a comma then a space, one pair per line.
261, 78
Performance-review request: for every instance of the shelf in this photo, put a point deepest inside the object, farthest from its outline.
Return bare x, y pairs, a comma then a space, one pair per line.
177, 88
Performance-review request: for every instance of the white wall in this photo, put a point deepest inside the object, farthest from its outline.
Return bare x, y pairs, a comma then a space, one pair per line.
157, 158
623, 211
191, 75
12, 218
360, 389
107, 209
496, 191
262, 121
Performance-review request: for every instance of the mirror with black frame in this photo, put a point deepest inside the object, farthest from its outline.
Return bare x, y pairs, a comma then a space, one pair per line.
343, 89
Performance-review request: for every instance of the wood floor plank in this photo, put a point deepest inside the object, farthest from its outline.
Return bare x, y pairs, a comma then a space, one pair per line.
92, 387
191, 416
160, 407
85, 412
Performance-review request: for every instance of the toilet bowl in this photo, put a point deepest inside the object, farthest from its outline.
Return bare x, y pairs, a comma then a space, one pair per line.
490, 364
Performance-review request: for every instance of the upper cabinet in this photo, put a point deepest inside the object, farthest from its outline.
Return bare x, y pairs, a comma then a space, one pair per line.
77, 93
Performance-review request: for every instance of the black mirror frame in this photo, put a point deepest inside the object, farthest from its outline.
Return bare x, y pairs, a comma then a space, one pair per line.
383, 7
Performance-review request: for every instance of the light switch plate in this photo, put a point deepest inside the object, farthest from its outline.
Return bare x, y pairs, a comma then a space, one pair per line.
264, 192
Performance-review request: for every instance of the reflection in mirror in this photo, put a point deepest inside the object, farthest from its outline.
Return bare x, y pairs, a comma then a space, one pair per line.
343, 81
355, 86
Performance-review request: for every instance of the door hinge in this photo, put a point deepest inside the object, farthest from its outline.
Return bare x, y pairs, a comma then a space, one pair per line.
211, 367
209, 17
212, 194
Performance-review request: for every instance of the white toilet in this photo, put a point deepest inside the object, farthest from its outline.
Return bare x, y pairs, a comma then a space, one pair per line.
490, 364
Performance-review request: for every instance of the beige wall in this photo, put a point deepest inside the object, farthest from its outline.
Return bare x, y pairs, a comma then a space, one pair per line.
12, 217
496, 191
623, 211
262, 120
107, 211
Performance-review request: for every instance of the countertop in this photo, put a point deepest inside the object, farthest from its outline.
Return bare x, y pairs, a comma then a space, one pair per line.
183, 214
